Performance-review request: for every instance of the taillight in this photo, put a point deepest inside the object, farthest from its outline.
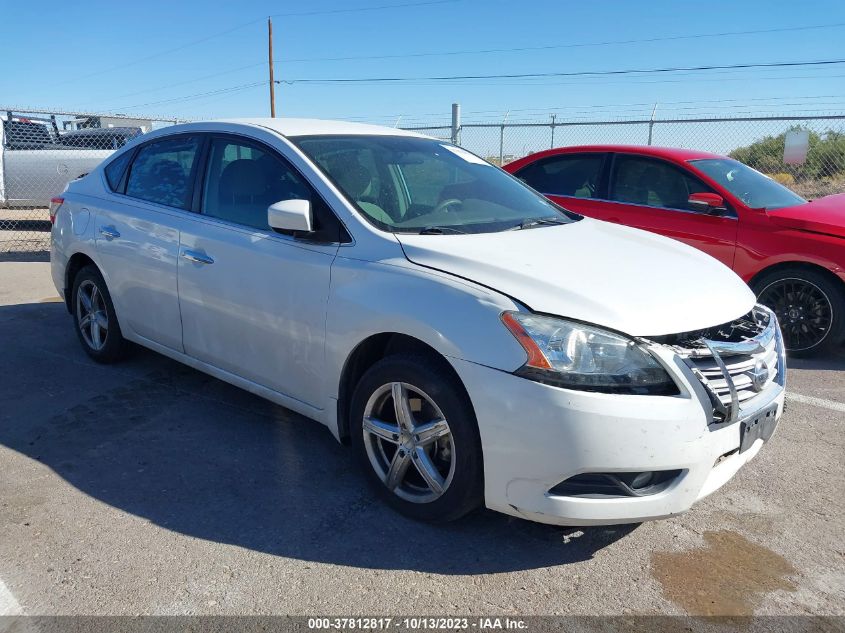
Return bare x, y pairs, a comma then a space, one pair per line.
55, 203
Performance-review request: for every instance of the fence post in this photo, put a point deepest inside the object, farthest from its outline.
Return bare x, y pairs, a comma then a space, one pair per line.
456, 123
651, 123
502, 138
553, 132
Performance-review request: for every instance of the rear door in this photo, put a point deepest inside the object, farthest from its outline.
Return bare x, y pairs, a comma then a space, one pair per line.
253, 301
575, 181
137, 235
652, 194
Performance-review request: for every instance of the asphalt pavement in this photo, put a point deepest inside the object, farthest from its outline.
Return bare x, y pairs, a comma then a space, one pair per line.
150, 488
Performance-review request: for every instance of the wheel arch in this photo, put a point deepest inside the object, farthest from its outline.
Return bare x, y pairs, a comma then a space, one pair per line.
371, 350
810, 266
77, 262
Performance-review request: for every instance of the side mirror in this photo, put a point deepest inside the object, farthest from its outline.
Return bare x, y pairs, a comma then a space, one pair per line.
711, 203
290, 215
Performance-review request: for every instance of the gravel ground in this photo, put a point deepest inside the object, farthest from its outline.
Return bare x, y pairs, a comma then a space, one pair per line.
150, 488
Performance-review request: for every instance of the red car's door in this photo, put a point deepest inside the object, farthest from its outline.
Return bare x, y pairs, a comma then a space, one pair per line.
574, 181
652, 194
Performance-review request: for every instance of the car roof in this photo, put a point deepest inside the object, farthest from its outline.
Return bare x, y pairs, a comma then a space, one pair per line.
646, 150
320, 127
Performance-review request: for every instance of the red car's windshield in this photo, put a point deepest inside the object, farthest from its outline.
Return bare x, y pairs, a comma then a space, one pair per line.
749, 185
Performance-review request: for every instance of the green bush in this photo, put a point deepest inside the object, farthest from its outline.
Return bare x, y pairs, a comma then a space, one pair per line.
826, 156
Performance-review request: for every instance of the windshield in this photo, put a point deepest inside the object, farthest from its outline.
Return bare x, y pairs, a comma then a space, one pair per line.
412, 185
749, 185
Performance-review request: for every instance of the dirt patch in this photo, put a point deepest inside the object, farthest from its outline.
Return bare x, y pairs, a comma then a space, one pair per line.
729, 576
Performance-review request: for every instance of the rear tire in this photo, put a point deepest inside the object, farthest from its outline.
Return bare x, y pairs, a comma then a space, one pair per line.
95, 318
424, 456
810, 308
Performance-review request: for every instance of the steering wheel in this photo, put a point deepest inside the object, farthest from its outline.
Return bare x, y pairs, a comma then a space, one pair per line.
444, 205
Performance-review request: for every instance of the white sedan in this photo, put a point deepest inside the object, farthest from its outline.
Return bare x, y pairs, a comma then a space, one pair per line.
472, 341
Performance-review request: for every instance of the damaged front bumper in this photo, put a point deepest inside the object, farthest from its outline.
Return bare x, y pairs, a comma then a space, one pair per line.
579, 458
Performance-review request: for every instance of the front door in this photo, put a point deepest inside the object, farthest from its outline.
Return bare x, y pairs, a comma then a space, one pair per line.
137, 238
254, 302
653, 194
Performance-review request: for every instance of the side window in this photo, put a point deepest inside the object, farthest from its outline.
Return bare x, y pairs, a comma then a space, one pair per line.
653, 183
566, 175
162, 171
116, 168
242, 181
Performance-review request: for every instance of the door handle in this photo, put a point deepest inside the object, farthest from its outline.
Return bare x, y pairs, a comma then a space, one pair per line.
197, 257
109, 232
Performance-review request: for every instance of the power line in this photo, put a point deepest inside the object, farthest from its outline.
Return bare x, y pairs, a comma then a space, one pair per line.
182, 83
164, 52
563, 46
740, 66
362, 9
672, 69
658, 81
610, 106
193, 96
450, 53
206, 38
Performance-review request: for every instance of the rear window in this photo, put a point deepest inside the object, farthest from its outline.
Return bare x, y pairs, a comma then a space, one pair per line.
115, 170
26, 135
575, 175
162, 171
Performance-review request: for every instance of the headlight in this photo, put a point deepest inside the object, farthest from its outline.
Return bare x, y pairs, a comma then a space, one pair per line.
577, 356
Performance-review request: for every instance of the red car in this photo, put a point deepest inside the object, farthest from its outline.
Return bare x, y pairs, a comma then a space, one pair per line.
789, 250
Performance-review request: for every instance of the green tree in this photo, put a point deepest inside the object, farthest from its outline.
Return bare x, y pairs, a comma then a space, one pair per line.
825, 158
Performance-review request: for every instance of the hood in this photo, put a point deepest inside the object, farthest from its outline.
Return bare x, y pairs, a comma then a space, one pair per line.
825, 215
618, 277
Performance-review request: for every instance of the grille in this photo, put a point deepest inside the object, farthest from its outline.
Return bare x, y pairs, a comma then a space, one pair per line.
751, 373
736, 362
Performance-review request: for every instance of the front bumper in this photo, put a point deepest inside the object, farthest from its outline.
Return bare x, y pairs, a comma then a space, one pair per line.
535, 436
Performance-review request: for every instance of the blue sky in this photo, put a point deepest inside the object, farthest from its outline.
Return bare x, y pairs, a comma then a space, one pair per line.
108, 57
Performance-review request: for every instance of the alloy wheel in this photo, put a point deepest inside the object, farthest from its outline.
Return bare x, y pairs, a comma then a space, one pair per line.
804, 311
409, 442
91, 314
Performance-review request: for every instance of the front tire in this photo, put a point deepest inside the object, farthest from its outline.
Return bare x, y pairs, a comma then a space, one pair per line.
810, 308
95, 318
416, 437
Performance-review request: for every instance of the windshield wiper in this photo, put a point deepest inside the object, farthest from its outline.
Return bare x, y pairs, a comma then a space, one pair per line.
440, 230
532, 222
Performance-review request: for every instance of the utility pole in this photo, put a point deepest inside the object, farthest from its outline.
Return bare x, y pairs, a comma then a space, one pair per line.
270, 60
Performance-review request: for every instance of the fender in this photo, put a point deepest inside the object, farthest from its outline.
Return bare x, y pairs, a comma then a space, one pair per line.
458, 319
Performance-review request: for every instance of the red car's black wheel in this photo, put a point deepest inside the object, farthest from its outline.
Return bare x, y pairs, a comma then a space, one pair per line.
809, 306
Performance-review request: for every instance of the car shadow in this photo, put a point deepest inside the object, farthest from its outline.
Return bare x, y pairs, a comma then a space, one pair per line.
194, 455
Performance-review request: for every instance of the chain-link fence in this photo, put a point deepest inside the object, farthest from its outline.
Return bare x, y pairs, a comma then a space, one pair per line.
43, 150
40, 152
761, 142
